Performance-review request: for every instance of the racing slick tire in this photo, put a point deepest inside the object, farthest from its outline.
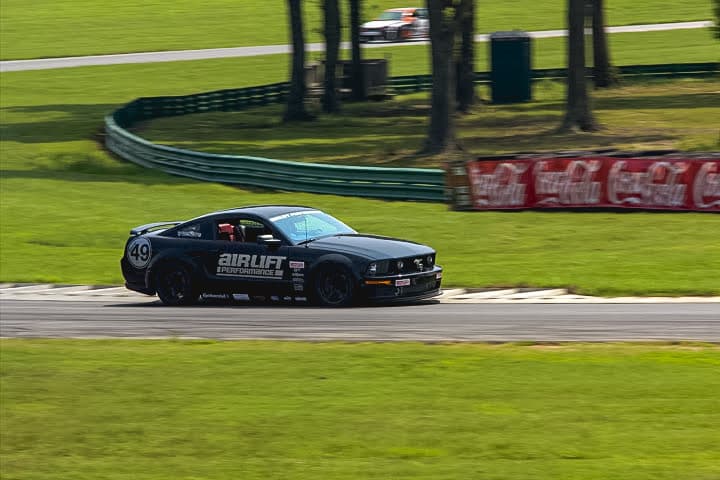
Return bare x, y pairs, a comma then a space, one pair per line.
175, 286
333, 286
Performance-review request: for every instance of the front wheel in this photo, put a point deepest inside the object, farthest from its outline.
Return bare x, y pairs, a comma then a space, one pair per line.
175, 286
333, 286
391, 35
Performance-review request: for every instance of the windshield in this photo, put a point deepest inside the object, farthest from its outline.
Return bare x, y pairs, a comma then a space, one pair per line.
390, 16
309, 225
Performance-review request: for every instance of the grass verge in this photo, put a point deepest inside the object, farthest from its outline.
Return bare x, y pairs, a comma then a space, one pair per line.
259, 410
66, 206
90, 27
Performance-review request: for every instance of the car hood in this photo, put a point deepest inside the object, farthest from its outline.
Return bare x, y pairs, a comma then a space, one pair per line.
372, 247
383, 23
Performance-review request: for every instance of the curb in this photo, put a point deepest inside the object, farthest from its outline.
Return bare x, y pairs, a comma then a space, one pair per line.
62, 292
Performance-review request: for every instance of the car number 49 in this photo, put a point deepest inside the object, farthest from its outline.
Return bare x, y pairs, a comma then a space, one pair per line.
139, 252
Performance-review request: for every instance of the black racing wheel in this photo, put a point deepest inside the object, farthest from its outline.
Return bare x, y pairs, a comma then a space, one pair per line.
175, 286
333, 286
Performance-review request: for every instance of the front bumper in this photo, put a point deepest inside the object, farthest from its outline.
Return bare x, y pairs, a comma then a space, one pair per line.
406, 287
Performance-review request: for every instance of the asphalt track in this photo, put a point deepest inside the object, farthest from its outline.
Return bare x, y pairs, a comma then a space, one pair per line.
430, 321
209, 53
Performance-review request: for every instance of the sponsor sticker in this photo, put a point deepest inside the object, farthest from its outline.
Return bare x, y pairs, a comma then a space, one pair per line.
293, 214
139, 252
250, 266
294, 264
403, 282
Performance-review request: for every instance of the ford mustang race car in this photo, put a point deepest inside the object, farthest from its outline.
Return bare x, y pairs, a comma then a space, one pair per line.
397, 24
274, 250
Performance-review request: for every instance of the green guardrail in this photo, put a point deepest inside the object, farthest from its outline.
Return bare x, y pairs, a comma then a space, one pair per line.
377, 182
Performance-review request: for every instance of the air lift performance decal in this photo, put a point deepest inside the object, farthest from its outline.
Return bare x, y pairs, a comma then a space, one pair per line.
250, 266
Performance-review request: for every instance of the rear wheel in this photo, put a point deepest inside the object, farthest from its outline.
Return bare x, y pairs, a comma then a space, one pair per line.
333, 286
175, 286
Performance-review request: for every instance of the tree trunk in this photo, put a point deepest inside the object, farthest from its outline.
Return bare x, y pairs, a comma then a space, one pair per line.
357, 72
330, 101
466, 61
603, 75
295, 108
577, 107
441, 132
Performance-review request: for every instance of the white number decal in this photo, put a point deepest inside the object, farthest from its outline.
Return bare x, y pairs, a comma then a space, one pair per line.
139, 252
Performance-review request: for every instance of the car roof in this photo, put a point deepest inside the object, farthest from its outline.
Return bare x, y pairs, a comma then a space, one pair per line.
404, 9
263, 211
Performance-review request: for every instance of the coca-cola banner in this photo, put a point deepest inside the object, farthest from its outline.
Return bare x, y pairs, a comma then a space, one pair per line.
500, 184
669, 182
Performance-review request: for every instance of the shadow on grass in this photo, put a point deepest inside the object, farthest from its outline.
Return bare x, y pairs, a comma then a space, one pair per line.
68, 123
681, 101
548, 140
142, 177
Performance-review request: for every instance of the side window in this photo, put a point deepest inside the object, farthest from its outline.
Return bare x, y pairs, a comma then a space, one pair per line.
422, 13
198, 231
240, 230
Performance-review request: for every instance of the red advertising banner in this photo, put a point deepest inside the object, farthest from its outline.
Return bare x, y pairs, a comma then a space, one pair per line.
705, 191
501, 184
667, 183
568, 182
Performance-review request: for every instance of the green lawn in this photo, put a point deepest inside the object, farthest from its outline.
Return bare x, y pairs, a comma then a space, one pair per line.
67, 206
44, 28
641, 115
106, 410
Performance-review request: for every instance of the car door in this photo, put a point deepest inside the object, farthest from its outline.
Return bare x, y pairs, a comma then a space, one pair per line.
242, 264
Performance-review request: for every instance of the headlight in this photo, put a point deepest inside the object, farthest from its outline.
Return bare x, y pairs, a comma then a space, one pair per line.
429, 260
377, 268
400, 265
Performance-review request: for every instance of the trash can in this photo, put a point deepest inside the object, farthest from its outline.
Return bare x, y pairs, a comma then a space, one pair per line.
510, 69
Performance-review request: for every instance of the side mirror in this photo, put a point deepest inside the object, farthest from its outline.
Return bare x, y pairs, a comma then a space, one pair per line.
269, 241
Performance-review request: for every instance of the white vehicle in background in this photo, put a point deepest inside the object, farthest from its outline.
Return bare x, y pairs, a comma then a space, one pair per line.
397, 24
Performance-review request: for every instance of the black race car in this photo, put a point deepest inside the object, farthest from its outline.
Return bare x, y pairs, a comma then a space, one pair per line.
276, 250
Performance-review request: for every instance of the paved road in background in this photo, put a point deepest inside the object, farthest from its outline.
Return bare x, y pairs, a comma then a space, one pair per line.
172, 56
426, 322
